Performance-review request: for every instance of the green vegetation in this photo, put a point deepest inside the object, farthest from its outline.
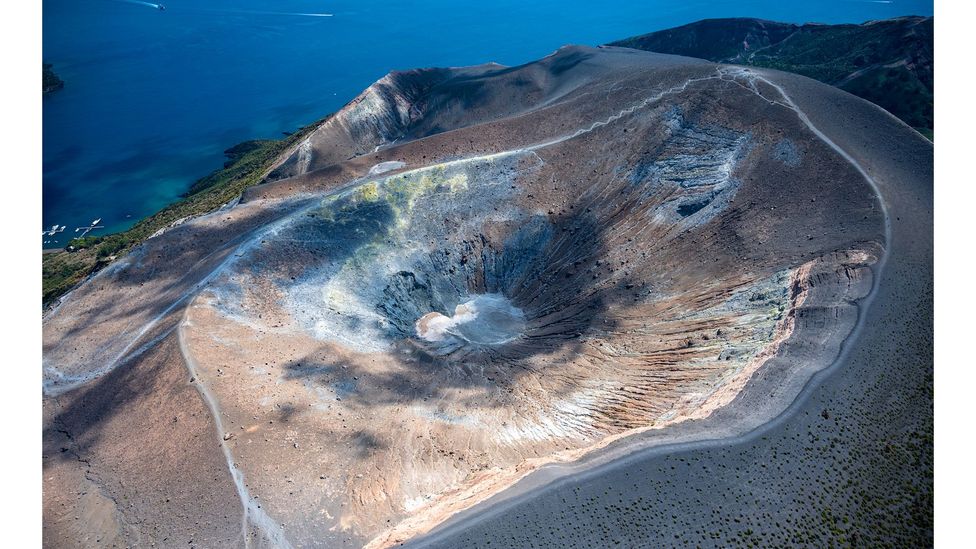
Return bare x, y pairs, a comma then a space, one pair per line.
61, 271
888, 62
247, 165
900, 92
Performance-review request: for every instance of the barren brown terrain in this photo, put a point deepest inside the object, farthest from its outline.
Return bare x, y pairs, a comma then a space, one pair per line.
462, 276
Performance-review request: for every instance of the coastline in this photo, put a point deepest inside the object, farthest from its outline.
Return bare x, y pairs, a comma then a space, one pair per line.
91, 254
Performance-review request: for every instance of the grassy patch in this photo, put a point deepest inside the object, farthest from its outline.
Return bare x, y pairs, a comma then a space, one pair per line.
61, 271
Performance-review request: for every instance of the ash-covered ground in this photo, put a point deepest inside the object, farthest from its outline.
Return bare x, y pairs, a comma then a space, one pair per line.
462, 278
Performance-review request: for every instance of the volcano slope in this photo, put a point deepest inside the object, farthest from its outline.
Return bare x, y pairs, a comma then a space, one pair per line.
461, 277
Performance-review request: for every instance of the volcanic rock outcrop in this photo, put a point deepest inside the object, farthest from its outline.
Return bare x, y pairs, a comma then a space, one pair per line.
461, 276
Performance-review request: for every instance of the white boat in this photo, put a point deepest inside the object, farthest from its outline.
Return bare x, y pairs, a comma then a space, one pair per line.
96, 221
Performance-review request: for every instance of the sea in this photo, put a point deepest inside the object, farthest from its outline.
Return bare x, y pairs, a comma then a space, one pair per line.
153, 96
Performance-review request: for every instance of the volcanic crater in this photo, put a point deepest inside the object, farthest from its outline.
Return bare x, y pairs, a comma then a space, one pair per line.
469, 273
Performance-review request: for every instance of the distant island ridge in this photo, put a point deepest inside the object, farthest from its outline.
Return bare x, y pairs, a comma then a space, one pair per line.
51, 81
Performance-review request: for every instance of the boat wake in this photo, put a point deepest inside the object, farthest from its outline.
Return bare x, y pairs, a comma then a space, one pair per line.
229, 12
138, 3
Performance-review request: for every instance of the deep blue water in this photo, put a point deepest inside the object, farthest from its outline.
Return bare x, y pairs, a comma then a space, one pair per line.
152, 98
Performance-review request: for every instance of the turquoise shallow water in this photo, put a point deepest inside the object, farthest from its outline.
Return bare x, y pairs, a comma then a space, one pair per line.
152, 97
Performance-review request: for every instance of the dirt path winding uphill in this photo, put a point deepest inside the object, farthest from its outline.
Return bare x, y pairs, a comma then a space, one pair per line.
129, 461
